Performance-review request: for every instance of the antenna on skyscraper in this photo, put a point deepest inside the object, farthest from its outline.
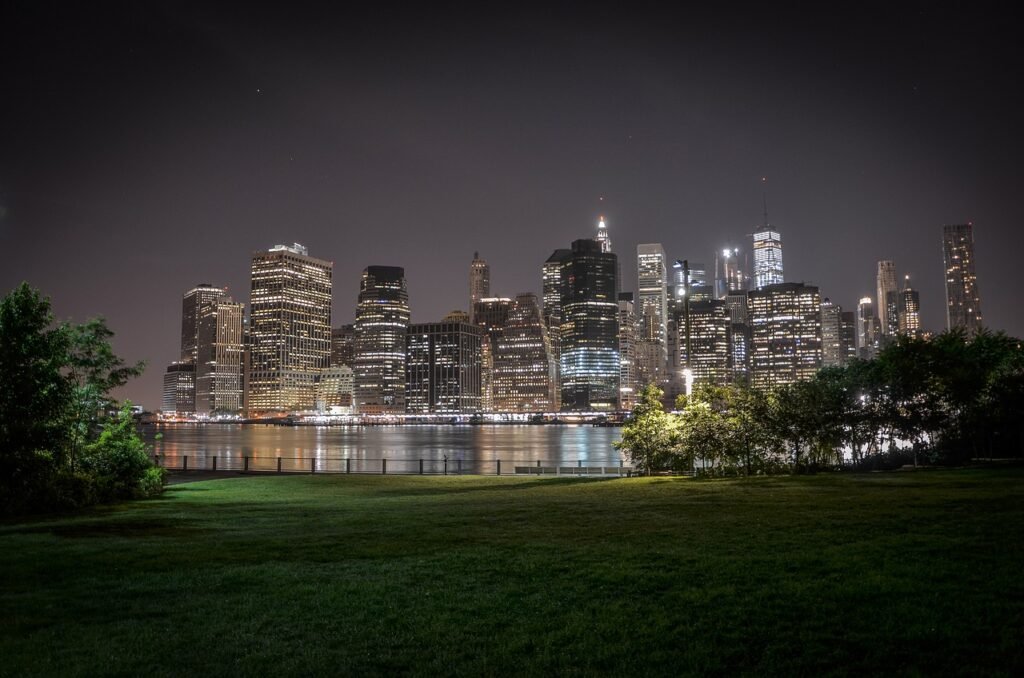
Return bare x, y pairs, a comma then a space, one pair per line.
764, 200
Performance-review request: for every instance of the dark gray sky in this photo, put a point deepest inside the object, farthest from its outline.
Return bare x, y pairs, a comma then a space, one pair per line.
147, 149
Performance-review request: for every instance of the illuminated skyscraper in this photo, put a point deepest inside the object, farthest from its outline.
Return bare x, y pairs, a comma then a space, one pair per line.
289, 328
652, 298
443, 367
736, 305
479, 281
963, 303
589, 374
220, 352
869, 331
910, 310
887, 299
524, 369
785, 322
382, 318
491, 315
708, 356
732, 277
627, 352
767, 257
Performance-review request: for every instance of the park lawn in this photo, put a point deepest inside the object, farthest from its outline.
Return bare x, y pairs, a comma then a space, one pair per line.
914, 572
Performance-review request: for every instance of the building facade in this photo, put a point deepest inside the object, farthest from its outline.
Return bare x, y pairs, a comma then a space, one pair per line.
767, 258
335, 390
220, 353
523, 373
490, 315
479, 282
343, 346
627, 352
963, 301
443, 367
869, 330
704, 344
589, 337
652, 299
179, 393
910, 310
887, 300
289, 329
382, 319
785, 322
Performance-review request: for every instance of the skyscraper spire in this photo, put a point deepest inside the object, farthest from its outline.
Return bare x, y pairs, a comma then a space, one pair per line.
602, 235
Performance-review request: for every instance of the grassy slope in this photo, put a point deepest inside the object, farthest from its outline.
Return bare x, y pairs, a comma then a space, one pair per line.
329, 574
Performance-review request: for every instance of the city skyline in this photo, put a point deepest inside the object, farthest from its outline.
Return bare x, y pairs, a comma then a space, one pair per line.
150, 150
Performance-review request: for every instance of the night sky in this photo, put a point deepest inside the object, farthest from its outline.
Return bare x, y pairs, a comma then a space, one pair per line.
145, 149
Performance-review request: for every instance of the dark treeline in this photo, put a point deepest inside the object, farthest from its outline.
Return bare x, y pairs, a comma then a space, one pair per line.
58, 448
944, 400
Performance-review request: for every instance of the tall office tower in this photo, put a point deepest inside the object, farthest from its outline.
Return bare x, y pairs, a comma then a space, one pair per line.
343, 346
627, 352
491, 315
706, 352
289, 328
443, 367
179, 394
652, 297
479, 281
589, 374
767, 257
524, 370
602, 236
869, 331
335, 390
220, 358
785, 322
195, 304
382, 318
833, 352
552, 282
910, 310
887, 299
963, 303
739, 336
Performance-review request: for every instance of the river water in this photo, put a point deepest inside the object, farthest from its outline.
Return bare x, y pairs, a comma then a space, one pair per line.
364, 449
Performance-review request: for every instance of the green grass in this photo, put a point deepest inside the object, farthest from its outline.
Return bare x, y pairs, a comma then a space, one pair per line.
902, 572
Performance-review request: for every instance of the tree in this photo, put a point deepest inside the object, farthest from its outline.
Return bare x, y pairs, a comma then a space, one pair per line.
33, 396
651, 436
93, 371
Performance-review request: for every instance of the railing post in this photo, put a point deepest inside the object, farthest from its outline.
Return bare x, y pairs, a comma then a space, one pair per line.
184, 463
538, 463
384, 467
459, 463
312, 465
499, 467
348, 465
215, 463
245, 463
279, 464
421, 467
446, 465
579, 463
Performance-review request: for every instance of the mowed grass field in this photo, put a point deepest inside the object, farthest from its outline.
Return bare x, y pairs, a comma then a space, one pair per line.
916, 572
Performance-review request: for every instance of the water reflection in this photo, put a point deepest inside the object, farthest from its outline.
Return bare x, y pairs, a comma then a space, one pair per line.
473, 449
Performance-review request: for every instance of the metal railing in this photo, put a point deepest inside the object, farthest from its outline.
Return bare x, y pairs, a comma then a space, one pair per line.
391, 465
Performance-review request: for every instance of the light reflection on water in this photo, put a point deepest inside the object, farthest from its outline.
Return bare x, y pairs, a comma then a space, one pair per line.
473, 449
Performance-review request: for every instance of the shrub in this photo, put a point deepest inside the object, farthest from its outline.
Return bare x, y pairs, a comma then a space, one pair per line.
118, 459
152, 482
